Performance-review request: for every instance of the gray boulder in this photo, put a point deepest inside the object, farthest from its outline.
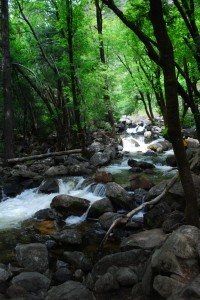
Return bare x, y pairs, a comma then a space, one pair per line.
70, 290
125, 276
67, 205
119, 196
148, 239
32, 282
100, 207
33, 257
106, 283
107, 219
49, 186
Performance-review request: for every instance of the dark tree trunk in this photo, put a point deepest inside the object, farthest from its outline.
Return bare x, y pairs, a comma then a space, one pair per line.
106, 96
76, 102
7, 89
171, 93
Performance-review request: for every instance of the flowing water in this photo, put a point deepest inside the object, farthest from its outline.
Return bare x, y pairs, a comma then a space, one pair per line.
15, 210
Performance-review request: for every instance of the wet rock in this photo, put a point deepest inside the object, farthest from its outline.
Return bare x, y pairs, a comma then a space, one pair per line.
138, 181
103, 176
46, 227
70, 290
100, 207
49, 186
45, 214
119, 196
140, 164
67, 205
148, 239
107, 219
68, 237
32, 282
33, 257
95, 147
171, 161
79, 260
173, 221
4, 274
106, 283
139, 195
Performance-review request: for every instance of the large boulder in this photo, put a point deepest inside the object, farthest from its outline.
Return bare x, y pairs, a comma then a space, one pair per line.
140, 182
100, 207
49, 186
70, 290
32, 282
67, 205
33, 257
148, 239
175, 266
119, 196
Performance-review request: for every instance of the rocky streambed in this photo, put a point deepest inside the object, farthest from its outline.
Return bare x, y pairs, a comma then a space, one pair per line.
153, 255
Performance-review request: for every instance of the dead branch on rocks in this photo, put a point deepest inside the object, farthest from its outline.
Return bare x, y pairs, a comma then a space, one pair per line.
122, 220
40, 156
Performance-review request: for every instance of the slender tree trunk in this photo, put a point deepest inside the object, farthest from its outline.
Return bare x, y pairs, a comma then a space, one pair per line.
106, 96
76, 102
170, 82
7, 89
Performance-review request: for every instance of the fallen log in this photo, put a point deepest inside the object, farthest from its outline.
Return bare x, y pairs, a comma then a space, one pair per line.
122, 220
41, 156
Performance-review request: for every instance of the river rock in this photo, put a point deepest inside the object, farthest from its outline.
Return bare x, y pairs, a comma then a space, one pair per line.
33, 257
68, 237
67, 205
139, 195
177, 257
165, 285
79, 260
157, 215
160, 146
140, 182
100, 207
49, 186
62, 275
119, 196
190, 291
103, 177
126, 276
95, 147
32, 282
70, 290
148, 240
140, 164
106, 283
101, 158
132, 258
4, 274
171, 161
45, 214
107, 219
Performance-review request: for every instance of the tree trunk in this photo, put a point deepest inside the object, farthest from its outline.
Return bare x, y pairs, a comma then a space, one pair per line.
170, 82
106, 96
7, 89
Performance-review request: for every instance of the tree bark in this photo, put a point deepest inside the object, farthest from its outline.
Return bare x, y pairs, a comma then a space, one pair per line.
171, 92
106, 96
7, 88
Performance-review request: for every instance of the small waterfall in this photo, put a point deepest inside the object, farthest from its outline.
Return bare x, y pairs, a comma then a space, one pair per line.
100, 190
